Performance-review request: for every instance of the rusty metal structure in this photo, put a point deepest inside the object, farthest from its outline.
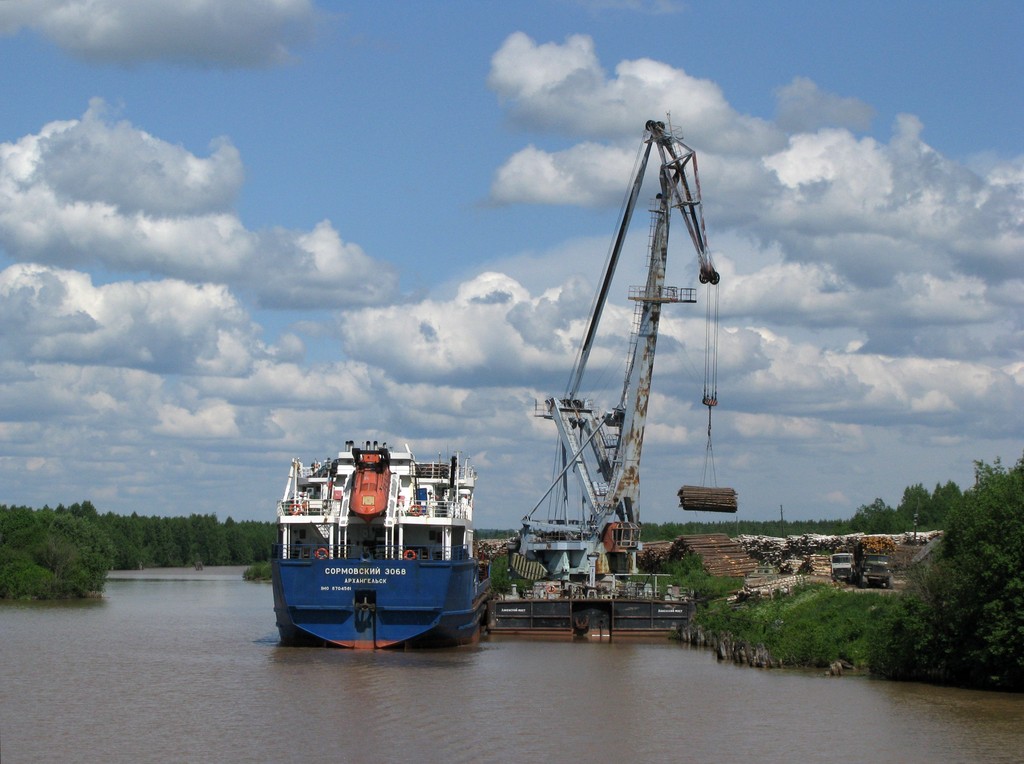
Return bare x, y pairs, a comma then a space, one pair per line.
603, 448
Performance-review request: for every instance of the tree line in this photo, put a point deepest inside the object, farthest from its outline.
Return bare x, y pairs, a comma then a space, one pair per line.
62, 552
917, 510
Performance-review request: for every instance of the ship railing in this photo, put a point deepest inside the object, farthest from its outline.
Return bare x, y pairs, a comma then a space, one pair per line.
321, 551
303, 506
458, 510
296, 506
423, 552
433, 470
361, 552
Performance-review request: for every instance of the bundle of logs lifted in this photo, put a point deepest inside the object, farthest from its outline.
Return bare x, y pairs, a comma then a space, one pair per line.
700, 499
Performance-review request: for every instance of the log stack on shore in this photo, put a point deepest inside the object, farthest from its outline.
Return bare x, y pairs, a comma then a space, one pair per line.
808, 553
654, 555
719, 554
776, 551
489, 549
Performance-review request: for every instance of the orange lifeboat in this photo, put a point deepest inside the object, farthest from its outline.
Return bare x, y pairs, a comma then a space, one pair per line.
372, 483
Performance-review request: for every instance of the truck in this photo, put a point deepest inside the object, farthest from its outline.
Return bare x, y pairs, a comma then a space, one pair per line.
842, 567
872, 558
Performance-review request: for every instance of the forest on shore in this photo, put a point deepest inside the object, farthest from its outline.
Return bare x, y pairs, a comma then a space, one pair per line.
918, 509
65, 552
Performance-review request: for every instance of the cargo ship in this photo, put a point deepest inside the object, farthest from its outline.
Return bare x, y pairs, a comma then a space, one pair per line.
375, 550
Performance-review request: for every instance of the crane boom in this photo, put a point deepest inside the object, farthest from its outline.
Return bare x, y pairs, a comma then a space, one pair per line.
603, 449
609, 272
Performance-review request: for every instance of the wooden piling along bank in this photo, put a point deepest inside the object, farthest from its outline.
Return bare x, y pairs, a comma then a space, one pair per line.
702, 499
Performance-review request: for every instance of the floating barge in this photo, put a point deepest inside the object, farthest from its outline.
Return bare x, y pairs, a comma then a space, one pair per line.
551, 611
601, 619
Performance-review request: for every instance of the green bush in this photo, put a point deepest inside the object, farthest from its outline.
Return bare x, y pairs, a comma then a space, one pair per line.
689, 574
258, 571
815, 626
51, 554
20, 578
501, 582
962, 620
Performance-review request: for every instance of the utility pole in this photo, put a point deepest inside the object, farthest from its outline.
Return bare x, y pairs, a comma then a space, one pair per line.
782, 523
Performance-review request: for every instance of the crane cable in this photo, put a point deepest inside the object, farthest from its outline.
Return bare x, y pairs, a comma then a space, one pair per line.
710, 373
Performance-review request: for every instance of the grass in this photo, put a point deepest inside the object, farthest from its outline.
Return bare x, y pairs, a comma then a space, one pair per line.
258, 571
815, 626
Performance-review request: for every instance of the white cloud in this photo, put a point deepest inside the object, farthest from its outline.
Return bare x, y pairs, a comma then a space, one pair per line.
492, 332
803, 106
93, 160
875, 211
333, 387
318, 270
57, 316
86, 192
220, 33
214, 419
870, 210
804, 380
587, 174
562, 87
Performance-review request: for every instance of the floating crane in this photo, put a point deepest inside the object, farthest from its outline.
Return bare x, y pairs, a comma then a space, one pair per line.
603, 448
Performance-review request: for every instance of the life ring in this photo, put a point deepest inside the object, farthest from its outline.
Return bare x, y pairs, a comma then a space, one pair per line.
551, 589
410, 554
321, 553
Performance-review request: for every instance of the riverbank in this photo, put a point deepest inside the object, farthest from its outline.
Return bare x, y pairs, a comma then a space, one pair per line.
187, 573
817, 626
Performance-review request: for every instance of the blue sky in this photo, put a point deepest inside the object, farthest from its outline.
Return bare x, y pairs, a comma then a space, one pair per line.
233, 232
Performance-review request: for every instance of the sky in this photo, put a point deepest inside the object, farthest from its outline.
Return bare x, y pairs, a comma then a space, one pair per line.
234, 232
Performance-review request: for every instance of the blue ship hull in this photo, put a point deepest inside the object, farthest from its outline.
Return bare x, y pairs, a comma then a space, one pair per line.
370, 604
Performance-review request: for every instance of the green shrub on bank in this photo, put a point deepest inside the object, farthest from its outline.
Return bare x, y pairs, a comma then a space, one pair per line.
51, 554
961, 620
258, 571
501, 581
689, 574
22, 579
815, 626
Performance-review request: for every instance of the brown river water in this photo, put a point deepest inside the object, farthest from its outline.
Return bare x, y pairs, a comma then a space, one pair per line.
184, 666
